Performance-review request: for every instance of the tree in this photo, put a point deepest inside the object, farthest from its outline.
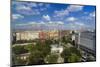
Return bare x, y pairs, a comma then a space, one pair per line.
30, 47
19, 49
56, 41
37, 53
73, 32
43, 48
64, 39
71, 54
65, 54
16, 60
52, 58
75, 51
73, 58
36, 58
48, 42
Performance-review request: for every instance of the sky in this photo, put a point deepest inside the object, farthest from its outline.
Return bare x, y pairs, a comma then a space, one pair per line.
38, 15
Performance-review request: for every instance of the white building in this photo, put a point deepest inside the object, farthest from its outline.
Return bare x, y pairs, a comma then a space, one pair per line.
73, 37
27, 35
86, 40
55, 48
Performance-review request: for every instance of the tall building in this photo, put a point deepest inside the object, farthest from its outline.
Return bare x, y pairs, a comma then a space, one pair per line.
86, 40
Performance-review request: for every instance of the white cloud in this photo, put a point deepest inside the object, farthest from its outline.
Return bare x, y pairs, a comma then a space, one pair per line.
47, 5
71, 19
22, 7
79, 23
26, 8
21, 24
43, 6
65, 12
90, 17
92, 14
74, 8
47, 17
27, 24
50, 22
17, 3
56, 22
40, 4
32, 4
46, 23
42, 9
42, 22
29, 4
61, 13
60, 22
17, 16
32, 23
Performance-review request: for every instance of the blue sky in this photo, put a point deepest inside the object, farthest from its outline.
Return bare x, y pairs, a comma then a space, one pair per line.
36, 15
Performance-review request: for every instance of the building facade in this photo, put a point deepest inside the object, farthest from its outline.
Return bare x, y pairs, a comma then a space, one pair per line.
86, 40
27, 35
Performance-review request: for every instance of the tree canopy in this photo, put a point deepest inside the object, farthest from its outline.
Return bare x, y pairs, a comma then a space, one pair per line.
71, 54
19, 49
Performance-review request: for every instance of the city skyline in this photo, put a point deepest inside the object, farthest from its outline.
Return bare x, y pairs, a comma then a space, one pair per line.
38, 15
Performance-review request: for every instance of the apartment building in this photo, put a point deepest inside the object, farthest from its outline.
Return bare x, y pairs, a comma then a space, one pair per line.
86, 40
27, 35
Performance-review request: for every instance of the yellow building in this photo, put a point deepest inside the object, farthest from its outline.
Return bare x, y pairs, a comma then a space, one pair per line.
54, 34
